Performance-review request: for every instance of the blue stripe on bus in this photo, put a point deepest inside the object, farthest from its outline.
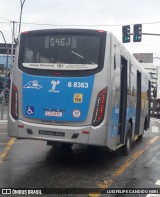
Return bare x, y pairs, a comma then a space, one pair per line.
115, 119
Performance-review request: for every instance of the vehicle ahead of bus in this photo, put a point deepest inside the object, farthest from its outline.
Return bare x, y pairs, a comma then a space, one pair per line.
78, 86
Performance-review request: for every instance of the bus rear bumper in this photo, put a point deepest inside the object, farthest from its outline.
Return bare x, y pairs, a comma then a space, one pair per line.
63, 134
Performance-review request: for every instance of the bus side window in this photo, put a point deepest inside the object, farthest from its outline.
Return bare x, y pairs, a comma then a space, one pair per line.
132, 80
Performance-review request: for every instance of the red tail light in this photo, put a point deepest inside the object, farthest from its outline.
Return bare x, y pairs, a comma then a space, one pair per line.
14, 102
99, 109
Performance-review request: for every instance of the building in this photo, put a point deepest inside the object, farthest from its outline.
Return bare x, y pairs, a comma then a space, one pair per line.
146, 59
158, 83
3, 49
5, 61
153, 71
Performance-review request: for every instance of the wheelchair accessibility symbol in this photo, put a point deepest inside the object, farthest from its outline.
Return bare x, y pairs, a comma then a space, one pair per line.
30, 110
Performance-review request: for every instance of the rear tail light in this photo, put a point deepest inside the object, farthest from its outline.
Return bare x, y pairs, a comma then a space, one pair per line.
14, 102
99, 109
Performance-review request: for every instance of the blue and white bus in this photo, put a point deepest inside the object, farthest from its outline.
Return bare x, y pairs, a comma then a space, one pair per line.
76, 86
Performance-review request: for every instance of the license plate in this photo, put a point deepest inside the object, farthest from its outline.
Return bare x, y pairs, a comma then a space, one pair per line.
54, 113
53, 133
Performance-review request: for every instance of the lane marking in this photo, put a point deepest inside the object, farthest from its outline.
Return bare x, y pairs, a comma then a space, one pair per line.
94, 195
7, 149
128, 162
106, 183
152, 141
155, 129
153, 195
157, 182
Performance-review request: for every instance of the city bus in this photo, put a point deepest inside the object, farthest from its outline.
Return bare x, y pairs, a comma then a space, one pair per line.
77, 86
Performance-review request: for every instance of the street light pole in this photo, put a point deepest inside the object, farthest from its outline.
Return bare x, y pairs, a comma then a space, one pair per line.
13, 33
20, 18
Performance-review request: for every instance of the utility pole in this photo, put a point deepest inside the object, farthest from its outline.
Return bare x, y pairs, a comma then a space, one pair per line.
13, 34
20, 18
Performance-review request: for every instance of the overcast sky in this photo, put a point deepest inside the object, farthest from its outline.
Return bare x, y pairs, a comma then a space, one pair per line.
87, 12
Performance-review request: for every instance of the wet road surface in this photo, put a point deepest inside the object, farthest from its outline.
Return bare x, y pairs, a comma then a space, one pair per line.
33, 164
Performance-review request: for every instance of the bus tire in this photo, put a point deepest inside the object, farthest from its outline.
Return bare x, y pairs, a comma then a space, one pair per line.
57, 144
128, 140
140, 137
51, 143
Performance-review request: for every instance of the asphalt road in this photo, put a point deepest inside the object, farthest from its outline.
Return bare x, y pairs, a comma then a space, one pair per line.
33, 164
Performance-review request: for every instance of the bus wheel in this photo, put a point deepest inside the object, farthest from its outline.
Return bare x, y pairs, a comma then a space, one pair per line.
51, 143
140, 137
128, 140
59, 145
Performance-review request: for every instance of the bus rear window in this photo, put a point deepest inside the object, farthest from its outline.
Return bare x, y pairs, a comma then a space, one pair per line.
61, 52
